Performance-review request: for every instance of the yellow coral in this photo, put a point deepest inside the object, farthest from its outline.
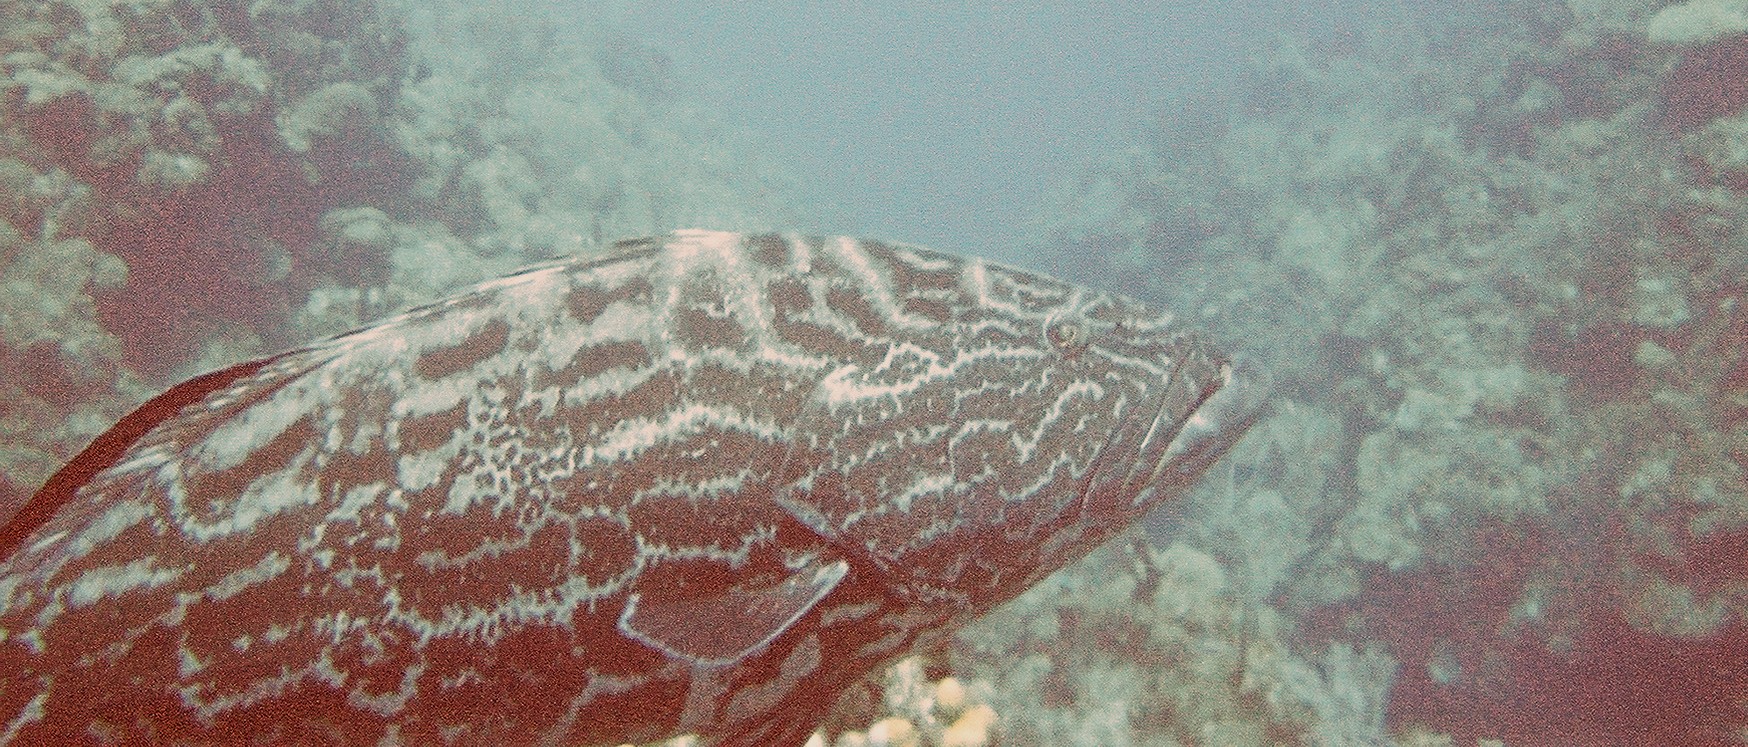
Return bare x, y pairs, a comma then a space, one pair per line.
950, 695
893, 731
946, 713
972, 728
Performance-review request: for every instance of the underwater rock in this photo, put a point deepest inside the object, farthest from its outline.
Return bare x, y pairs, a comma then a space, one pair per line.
330, 112
1709, 83
1698, 22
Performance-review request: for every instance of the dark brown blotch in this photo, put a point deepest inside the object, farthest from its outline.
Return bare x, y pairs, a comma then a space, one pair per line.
911, 280
647, 711
767, 392
855, 306
725, 521
698, 329
789, 297
821, 340
712, 383
595, 360
908, 278
426, 432
451, 562
605, 411
940, 312
602, 549
587, 302
770, 250
489, 341
348, 469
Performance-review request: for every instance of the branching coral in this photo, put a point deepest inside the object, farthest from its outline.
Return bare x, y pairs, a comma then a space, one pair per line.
1518, 303
212, 180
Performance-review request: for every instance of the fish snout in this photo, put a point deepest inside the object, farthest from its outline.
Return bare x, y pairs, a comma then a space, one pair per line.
1222, 418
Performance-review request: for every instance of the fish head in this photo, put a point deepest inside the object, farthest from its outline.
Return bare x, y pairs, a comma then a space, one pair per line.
1005, 432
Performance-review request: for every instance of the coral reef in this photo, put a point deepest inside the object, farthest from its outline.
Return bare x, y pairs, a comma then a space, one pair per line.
911, 711
946, 712
1143, 645
1505, 309
1707, 85
152, 195
1698, 22
190, 184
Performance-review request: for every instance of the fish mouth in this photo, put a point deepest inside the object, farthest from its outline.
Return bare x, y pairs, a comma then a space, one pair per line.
1207, 405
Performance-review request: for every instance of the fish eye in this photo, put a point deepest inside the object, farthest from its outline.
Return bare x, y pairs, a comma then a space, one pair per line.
1067, 335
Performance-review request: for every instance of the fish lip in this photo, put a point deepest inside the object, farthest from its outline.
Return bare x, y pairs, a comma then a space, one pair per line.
1189, 430
1222, 418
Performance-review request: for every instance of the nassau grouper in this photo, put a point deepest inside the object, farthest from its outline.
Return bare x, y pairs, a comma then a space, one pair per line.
702, 483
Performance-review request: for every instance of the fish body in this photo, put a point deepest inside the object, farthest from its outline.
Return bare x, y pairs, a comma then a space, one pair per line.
700, 484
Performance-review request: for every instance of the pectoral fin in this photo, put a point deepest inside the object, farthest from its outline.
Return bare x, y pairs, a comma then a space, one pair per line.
728, 623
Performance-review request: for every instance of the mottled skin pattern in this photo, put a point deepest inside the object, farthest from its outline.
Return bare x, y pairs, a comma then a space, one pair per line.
699, 485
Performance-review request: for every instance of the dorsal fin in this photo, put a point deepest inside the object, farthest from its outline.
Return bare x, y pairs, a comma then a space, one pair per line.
107, 448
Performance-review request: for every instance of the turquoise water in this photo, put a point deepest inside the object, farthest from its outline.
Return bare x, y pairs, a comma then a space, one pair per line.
947, 124
1492, 258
